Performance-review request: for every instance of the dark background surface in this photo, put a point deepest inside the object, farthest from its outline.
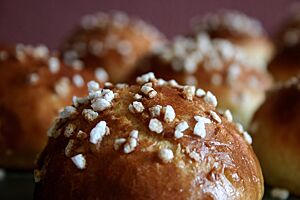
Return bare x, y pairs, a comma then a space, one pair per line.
17, 186
48, 21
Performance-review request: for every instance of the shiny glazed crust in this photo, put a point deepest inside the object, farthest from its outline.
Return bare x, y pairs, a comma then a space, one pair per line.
138, 159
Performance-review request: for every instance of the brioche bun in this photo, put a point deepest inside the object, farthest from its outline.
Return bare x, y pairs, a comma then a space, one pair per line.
275, 130
110, 44
152, 140
240, 29
215, 65
34, 86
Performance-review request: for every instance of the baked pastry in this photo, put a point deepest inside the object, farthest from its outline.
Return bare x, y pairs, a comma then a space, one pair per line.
34, 85
215, 65
275, 130
151, 140
110, 44
240, 29
286, 63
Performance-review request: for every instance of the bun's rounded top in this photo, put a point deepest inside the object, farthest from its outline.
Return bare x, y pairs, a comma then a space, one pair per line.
34, 86
240, 29
111, 43
37, 66
152, 140
213, 64
215, 57
219, 60
226, 23
277, 122
284, 98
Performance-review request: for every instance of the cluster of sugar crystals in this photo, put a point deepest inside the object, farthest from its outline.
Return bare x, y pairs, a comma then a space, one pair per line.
114, 24
41, 53
213, 55
90, 114
155, 110
118, 20
232, 21
180, 128
155, 125
132, 142
136, 107
129, 144
100, 99
148, 90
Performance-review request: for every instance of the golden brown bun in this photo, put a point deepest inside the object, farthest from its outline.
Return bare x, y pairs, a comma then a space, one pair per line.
240, 29
111, 41
276, 136
215, 65
286, 63
219, 164
30, 98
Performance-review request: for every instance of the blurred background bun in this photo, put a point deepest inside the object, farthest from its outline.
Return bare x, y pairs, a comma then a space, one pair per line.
275, 129
216, 65
240, 29
286, 63
110, 44
34, 86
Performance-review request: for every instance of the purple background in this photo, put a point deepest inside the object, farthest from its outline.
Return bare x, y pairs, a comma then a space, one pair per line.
49, 21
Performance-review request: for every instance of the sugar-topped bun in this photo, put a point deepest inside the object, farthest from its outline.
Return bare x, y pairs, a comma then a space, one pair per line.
241, 30
110, 43
275, 128
152, 140
215, 65
286, 63
34, 85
